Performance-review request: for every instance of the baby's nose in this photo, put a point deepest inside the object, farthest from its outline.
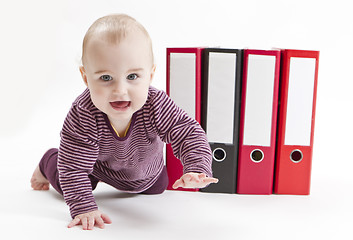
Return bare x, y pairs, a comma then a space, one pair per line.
120, 88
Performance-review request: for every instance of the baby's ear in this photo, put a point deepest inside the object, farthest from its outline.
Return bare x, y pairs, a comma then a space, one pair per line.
83, 74
153, 72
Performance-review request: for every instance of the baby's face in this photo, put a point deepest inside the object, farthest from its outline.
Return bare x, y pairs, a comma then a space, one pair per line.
118, 75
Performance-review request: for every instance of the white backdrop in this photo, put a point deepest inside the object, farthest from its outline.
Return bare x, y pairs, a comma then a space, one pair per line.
40, 50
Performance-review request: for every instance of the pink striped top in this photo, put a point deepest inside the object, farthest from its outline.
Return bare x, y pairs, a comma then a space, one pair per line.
89, 145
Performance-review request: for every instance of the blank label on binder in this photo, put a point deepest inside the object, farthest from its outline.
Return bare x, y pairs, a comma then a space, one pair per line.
221, 97
259, 100
182, 71
300, 101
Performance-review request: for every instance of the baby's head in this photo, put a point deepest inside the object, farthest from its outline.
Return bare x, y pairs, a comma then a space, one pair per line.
118, 65
113, 29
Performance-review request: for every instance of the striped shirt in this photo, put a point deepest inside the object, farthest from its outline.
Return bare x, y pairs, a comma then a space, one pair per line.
89, 145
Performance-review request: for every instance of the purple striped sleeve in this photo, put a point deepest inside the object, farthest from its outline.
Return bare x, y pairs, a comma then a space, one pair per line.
188, 139
77, 155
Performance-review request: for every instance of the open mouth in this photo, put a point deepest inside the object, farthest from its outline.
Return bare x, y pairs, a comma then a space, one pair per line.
120, 105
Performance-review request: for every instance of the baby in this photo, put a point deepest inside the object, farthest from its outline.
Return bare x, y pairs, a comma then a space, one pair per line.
116, 129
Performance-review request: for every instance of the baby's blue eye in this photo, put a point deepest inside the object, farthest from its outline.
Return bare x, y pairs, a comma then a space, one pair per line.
132, 76
106, 78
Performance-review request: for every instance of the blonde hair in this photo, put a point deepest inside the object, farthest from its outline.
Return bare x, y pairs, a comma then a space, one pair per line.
114, 28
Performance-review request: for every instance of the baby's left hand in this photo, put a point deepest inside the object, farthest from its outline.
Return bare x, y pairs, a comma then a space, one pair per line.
194, 180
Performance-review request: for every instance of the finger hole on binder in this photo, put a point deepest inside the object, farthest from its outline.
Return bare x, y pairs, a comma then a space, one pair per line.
296, 156
219, 154
257, 155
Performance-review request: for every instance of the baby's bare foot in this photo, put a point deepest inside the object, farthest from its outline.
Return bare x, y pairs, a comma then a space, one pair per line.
38, 181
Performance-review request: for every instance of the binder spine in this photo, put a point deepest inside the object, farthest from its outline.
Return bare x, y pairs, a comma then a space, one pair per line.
259, 112
190, 102
225, 152
294, 153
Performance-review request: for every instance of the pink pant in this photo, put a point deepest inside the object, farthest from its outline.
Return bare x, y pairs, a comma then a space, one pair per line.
48, 167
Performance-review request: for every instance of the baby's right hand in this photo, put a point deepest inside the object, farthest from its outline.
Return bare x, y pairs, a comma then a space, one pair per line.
88, 220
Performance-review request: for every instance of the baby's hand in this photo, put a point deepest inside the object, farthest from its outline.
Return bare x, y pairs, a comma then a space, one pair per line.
194, 180
88, 220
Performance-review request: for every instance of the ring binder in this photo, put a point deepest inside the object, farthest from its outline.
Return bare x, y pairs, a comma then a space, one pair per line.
183, 76
221, 86
296, 121
258, 121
